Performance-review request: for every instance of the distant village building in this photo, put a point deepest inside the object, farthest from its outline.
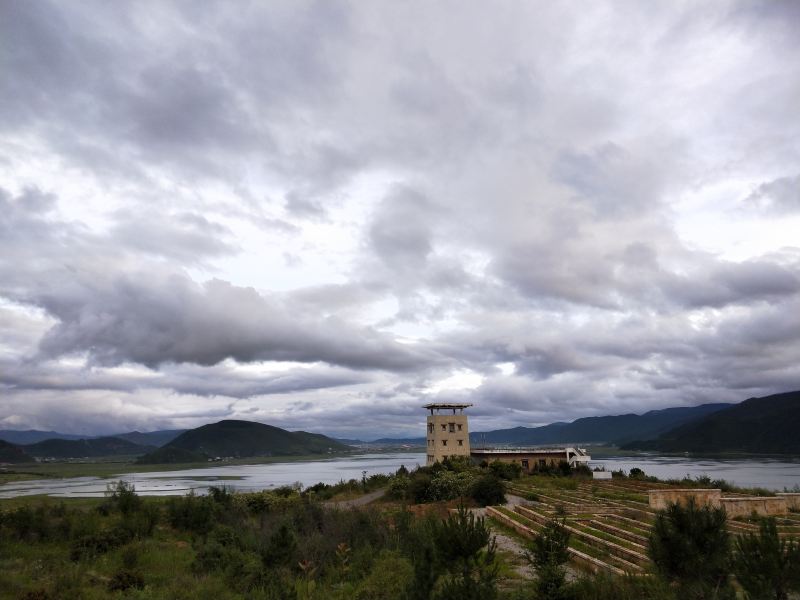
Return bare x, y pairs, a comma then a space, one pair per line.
448, 436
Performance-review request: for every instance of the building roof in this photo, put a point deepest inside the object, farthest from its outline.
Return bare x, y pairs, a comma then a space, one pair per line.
446, 405
528, 450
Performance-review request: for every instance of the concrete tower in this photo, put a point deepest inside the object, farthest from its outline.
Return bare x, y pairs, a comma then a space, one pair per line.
448, 431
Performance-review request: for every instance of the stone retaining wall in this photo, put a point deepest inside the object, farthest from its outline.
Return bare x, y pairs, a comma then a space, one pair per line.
660, 499
744, 507
792, 499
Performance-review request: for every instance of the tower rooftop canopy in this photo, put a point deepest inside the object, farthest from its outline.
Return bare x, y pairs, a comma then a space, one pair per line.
445, 405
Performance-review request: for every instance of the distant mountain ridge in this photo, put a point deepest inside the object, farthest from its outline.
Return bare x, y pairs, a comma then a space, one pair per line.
151, 438
766, 425
232, 438
94, 447
32, 436
616, 429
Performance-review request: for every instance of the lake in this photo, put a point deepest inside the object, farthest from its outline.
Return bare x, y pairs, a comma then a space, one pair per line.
241, 477
764, 473
770, 474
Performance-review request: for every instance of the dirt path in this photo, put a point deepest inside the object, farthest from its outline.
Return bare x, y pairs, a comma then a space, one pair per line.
516, 548
360, 501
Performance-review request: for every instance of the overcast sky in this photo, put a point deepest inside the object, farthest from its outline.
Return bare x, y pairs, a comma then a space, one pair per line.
323, 215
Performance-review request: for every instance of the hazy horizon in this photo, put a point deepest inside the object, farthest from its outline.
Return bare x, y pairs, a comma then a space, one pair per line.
323, 215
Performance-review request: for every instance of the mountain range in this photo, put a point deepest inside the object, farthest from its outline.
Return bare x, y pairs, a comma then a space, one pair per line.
84, 448
240, 439
767, 425
616, 429
32, 436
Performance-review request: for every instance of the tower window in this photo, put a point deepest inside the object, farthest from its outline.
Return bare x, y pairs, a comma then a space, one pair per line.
444, 442
460, 442
430, 427
444, 427
452, 427
459, 426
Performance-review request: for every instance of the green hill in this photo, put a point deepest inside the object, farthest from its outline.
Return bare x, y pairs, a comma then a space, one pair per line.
94, 447
768, 425
170, 456
11, 453
241, 439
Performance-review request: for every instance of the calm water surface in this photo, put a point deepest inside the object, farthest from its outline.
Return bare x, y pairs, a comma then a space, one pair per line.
770, 474
763, 473
247, 477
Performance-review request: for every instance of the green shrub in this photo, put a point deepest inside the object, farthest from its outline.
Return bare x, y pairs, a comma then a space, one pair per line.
488, 490
399, 488
691, 547
608, 587
447, 485
766, 566
388, 578
548, 554
281, 548
466, 550
222, 495
504, 470
140, 524
93, 545
123, 497
419, 488
126, 580
195, 514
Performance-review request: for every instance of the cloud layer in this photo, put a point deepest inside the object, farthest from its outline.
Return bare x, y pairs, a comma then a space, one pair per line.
322, 216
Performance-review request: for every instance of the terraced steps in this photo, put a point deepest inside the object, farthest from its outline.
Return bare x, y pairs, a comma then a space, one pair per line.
583, 559
631, 559
620, 533
615, 511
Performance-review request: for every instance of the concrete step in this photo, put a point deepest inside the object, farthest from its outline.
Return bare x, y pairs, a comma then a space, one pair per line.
580, 559
617, 550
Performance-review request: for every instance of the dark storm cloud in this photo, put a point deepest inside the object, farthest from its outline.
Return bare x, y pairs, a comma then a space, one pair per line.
117, 311
153, 319
219, 380
109, 85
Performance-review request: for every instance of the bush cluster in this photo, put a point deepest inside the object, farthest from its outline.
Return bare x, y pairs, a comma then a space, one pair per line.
452, 479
